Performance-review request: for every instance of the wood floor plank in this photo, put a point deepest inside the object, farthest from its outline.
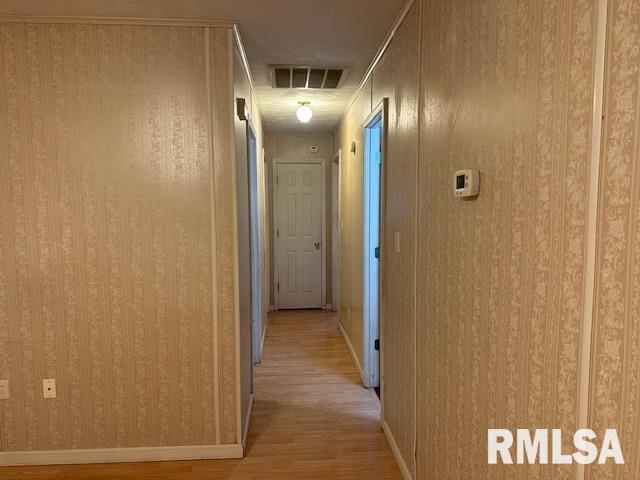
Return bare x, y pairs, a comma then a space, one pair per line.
312, 419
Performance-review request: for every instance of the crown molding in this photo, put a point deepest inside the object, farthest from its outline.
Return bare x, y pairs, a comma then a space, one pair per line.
379, 54
183, 22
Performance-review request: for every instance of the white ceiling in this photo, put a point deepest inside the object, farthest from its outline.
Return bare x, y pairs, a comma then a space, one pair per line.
328, 33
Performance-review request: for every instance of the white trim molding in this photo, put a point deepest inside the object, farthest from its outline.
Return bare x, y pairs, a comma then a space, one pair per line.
592, 224
121, 455
336, 216
372, 359
247, 423
404, 469
245, 62
161, 22
264, 334
352, 352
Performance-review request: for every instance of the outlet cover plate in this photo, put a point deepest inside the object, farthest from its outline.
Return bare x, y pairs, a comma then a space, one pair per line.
49, 387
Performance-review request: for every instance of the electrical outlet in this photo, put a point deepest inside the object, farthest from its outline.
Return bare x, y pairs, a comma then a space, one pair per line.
4, 389
49, 387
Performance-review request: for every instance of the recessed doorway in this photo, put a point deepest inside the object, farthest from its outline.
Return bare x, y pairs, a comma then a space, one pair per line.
373, 158
299, 231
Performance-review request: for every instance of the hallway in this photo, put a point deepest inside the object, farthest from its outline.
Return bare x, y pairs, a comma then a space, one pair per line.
311, 418
310, 402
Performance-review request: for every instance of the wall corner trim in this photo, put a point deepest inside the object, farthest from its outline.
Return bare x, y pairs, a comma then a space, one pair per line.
404, 469
120, 455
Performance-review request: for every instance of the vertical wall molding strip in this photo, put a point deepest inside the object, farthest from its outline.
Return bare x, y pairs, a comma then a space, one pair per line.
416, 220
214, 263
592, 223
236, 252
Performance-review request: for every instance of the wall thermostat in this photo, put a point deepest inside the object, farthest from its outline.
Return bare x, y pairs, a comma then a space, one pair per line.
466, 183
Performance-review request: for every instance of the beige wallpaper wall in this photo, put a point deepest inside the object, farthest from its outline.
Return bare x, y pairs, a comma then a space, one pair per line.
351, 211
507, 89
397, 78
494, 302
614, 399
116, 236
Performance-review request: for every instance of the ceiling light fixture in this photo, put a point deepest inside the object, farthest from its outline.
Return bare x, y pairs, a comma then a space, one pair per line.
304, 112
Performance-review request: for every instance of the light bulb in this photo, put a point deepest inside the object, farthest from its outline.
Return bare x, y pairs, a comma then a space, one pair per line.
304, 113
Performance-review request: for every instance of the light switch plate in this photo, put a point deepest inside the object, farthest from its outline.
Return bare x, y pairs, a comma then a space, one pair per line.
49, 387
4, 389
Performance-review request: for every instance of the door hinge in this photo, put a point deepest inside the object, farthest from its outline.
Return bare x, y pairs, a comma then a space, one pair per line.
376, 344
276, 179
278, 233
376, 252
278, 286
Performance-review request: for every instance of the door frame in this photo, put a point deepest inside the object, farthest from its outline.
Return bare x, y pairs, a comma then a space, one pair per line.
254, 233
374, 371
323, 267
336, 214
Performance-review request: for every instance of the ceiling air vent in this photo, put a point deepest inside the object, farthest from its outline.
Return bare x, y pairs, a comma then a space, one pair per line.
286, 76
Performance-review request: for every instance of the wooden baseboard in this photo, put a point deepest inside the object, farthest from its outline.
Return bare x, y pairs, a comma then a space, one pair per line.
247, 422
354, 357
406, 473
376, 400
120, 455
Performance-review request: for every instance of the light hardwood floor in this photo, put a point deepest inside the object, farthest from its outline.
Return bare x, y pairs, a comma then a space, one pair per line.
312, 419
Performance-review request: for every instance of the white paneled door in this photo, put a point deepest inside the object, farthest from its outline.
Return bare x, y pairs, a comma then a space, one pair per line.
299, 235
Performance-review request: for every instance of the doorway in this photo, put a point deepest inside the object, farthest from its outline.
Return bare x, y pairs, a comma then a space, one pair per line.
299, 232
372, 251
256, 291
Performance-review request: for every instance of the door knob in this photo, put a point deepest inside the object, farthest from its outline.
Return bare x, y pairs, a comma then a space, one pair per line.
317, 244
